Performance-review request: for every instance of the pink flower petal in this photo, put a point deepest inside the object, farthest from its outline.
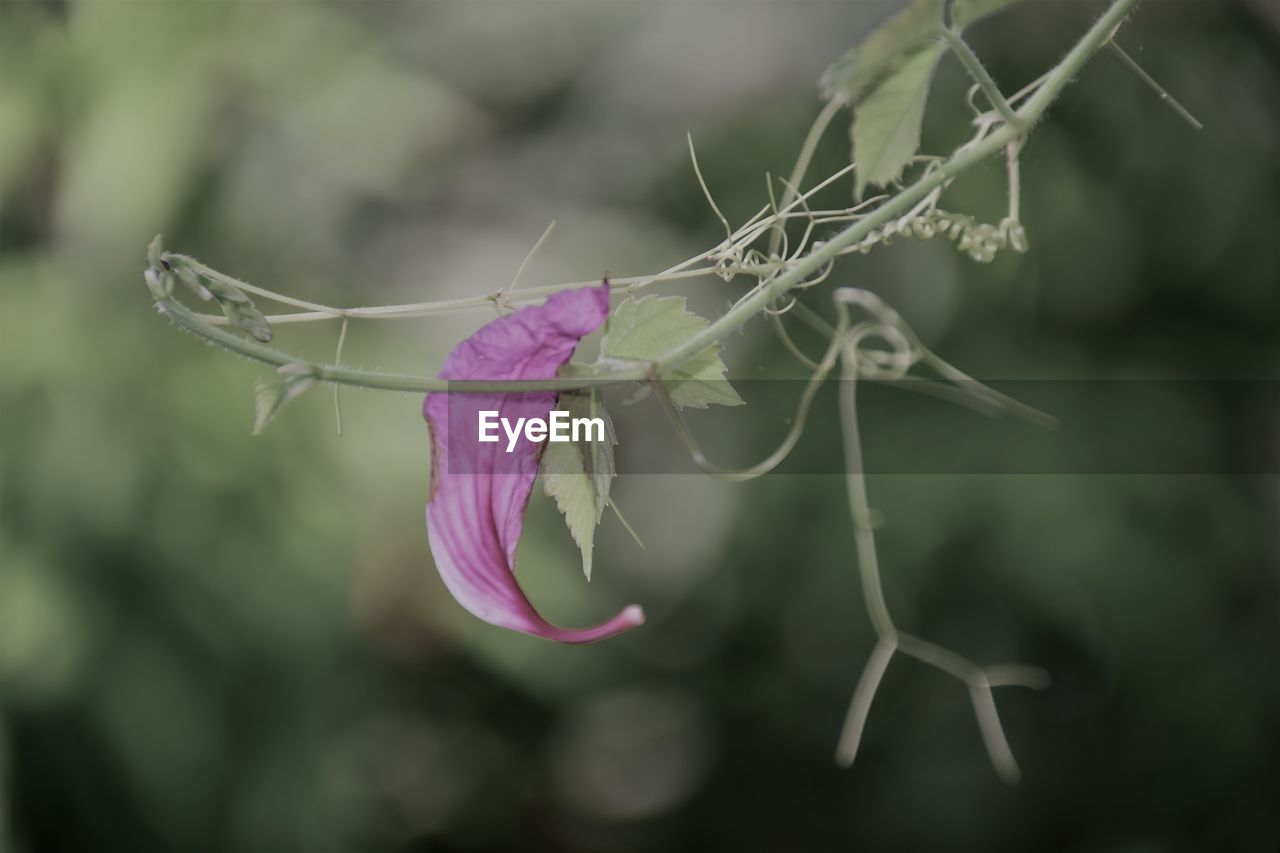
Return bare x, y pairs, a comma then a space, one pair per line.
479, 491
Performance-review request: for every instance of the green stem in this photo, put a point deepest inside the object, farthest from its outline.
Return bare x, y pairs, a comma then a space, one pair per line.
890, 640
1031, 111
980, 76
1133, 66
864, 536
337, 388
424, 309
746, 308
1069, 66
189, 320
1014, 171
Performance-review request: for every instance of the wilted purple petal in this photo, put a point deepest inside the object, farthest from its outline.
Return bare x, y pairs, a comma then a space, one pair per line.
479, 491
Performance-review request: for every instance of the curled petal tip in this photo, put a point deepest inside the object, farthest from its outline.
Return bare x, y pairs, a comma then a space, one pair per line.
631, 616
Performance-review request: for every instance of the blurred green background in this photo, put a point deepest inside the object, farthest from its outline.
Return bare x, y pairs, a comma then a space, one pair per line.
214, 642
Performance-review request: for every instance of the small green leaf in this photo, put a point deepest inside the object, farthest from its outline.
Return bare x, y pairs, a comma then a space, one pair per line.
579, 474
191, 279
644, 329
887, 123
883, 51
226, 292
234, 302
247, 319
270, 397
965, 12
155, 252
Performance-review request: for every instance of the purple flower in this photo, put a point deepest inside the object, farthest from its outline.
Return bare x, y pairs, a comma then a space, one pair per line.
479, 491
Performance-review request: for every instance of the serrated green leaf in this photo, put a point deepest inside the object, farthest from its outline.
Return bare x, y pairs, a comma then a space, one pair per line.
965, 12
887, 123
886, 49
270, 397
647, 328
579, 474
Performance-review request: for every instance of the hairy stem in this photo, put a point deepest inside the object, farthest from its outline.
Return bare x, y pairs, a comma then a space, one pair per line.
980, 76
187, 319
435, 307
796, 273
1031, 111
1013, 167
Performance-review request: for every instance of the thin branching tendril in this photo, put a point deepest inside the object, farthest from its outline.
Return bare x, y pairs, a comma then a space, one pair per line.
859, 361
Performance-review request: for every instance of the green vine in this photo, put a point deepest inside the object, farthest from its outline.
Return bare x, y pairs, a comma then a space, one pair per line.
885, 81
